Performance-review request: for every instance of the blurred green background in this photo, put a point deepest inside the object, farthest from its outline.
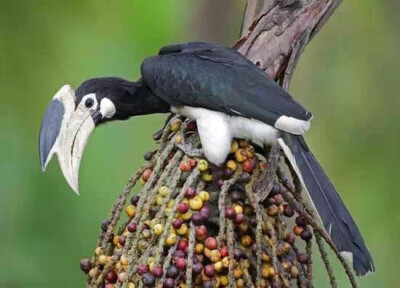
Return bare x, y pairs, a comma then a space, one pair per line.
347, 77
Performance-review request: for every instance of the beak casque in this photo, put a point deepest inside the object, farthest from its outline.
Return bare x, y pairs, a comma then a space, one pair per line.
65, 131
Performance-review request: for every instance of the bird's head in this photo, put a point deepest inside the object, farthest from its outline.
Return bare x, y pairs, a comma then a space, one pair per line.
71, 117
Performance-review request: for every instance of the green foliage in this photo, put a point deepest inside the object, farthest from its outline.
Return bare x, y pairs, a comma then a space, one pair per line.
347, 77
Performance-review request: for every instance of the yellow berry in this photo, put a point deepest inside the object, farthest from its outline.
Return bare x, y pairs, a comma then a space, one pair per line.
199, 248
223, 280
232, 165
246, 240
130, 211
215, 255
237, 272
131, 285
186, 216
124, 260
176, 125
240, 283
225, 262
159, 200
234, 146
196, 203
202, 165
207, 177
103, 259
240, 155
204, 195
171, 240
158, 229
183, 230
171, 203
218, 266
238, 209
98, 251
163, 191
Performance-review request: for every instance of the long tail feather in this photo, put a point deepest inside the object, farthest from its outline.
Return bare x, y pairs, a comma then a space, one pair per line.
332, 211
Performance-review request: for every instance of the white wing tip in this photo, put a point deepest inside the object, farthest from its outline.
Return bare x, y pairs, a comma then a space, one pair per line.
292, 125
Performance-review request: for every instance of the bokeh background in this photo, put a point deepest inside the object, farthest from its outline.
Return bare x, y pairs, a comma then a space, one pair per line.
348, 77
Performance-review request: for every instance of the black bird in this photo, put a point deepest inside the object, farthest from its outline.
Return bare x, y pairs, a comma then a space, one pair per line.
228, 96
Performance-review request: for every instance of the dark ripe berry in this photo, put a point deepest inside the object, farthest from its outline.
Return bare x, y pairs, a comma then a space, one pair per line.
111, 276
220, 182
177, 223
211, 243
180, 263
197, 219
122, 240
190, 192
157, 271
148, 280
253, 220
183, 208
169, 283
274, 190
230, 213
228, 172
132, 227
85, 265
209, 271
303, 258
208, 284
236, 196
306, 235
179, 253
142, 269
301, 221
291, 239
148, 155
239, 218
205, 212
288, 211
197, 267
238, 254
191, 126
182, 245
245, 177
172, 271
135, 199
104, 225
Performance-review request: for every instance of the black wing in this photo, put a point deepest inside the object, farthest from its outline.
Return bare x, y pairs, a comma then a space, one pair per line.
217, 78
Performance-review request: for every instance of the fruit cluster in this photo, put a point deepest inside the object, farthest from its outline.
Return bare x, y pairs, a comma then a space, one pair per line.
202, 228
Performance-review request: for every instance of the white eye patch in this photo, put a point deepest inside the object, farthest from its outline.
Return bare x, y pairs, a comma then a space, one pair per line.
107, 108
89, 101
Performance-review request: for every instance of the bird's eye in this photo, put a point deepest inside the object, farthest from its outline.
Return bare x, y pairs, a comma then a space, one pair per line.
89, 102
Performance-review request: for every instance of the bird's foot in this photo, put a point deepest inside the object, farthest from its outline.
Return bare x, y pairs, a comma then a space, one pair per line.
190, 150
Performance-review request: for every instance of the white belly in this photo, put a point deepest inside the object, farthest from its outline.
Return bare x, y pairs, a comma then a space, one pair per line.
217, 129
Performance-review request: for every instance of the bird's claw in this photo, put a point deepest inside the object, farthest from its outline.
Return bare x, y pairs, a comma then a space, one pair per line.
190, 150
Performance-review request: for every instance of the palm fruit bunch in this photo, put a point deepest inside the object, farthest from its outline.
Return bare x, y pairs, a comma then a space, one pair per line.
193, 224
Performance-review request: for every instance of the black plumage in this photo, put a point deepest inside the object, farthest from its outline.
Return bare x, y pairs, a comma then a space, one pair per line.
220, 79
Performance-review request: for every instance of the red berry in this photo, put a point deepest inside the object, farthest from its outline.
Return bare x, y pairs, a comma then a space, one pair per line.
239, 218
230, 213
190, 192
111, 276
211, 243
180, 263
132, 227
182, 245
185, 166
209, 271
177, 223
192, 162
248, 165
183, 208
201, 231
224, 251
157, 271
142, 269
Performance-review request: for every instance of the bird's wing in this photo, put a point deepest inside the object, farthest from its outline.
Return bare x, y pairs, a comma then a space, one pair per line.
205, 75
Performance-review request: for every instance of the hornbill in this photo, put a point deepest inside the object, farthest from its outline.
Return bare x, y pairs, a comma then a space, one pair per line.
228, 96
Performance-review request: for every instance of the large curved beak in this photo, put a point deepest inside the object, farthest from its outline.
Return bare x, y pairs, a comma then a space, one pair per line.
65, 131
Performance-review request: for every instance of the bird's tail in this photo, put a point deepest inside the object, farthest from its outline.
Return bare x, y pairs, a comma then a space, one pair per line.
332, 211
